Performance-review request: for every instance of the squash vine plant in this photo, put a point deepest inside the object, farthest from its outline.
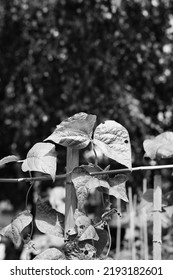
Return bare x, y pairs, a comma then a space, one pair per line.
83, 238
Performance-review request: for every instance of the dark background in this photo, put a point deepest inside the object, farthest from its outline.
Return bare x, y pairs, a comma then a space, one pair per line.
60, 57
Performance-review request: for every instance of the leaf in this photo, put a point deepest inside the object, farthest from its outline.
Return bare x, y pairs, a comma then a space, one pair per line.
82, 222
49, 220
14, 229
96, 168
84, 183
41, 157
113, 139
89, 233
8, 159
101, 242
74, 132
51, 254
161, 146
118, 188
119, 192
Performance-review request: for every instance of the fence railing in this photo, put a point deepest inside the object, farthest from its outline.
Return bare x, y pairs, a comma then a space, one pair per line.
157, 197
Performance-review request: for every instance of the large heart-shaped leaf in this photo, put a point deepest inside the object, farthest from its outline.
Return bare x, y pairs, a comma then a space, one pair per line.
8, 159
161, 146
50, 254
14, 229
74, 132
84, 183
113, 139
49, 220
41, 157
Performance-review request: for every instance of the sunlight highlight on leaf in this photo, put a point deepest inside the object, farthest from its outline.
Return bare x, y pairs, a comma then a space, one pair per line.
161, 146
74, 132
14, 229
41, 157
113, 139
8, 159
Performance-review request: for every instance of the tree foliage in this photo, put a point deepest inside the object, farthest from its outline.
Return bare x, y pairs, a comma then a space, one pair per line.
109, 58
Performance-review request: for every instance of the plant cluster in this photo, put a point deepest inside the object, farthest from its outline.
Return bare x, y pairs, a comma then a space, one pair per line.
87, 238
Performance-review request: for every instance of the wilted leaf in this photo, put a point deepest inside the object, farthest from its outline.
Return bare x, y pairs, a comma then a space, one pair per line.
74, 132
113, 139
49, 220
14, 229
50, 254
161, 146
8, 159
83, 183
41, 157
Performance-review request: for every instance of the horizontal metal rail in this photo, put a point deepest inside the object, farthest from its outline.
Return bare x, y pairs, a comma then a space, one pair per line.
63, 176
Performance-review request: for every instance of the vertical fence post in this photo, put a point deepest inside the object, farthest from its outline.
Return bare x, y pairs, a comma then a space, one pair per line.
157, 225
144, 218
72, 161
132, 224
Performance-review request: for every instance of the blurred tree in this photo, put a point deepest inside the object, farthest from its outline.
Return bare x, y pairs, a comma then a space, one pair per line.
58, 57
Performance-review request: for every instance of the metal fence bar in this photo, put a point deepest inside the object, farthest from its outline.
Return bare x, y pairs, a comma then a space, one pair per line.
63, 176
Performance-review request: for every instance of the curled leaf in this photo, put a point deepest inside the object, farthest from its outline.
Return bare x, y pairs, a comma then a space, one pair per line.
14, 229
49, 220
50, 254
74, 132
113, 139
41, 157
161, 146
8, 159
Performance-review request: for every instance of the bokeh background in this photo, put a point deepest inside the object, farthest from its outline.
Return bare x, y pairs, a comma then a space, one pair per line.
112, 58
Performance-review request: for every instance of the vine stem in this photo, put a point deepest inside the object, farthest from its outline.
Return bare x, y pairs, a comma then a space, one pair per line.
26, 202
64, 176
